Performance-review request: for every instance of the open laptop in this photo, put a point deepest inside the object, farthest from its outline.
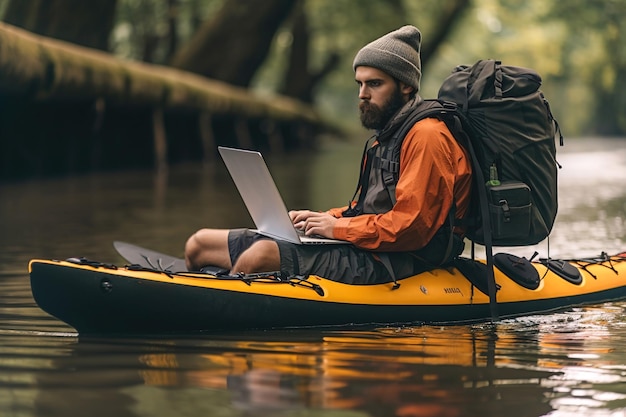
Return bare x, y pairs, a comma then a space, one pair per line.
262, 199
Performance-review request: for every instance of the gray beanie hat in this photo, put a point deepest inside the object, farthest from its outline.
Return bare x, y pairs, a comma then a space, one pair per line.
397, 54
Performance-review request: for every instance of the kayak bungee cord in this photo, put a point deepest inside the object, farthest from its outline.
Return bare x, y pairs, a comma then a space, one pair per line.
274, 277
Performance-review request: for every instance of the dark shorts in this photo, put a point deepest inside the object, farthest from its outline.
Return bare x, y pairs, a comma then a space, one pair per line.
343, 263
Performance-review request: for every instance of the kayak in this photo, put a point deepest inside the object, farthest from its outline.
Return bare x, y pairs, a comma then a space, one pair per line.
155, 294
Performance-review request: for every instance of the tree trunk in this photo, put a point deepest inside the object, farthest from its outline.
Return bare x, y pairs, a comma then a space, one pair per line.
45, 69
233, 44
446, 22
172, 28
86, 23
65, 108
300, 80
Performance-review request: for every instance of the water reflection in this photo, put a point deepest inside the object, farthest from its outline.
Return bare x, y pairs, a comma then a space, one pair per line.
561, 364
383, 372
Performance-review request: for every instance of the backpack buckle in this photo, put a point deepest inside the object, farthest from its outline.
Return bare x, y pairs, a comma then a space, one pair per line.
504, 205
449, 105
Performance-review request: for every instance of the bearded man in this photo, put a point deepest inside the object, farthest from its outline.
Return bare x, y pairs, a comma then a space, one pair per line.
414, 186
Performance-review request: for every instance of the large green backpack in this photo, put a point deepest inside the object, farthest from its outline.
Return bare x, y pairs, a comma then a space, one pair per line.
512, 132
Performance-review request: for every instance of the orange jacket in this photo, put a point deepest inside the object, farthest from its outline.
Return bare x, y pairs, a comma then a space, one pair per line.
434, 172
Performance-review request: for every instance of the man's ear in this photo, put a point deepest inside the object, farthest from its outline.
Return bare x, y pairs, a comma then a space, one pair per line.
406, 89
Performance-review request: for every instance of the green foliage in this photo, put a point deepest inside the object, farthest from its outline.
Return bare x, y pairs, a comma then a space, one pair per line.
142, 26
597, 41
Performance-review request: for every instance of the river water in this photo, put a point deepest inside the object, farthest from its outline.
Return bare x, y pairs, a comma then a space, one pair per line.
562, 364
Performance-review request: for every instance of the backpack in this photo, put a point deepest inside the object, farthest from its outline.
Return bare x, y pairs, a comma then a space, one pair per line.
511, 131
505, 123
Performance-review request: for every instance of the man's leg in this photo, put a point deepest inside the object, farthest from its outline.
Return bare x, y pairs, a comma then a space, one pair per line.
207, 247
262, 256
210, 247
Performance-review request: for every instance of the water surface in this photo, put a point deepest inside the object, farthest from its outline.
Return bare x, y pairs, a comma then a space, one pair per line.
567, 363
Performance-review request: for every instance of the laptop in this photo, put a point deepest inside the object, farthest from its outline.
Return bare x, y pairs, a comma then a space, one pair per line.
262, 199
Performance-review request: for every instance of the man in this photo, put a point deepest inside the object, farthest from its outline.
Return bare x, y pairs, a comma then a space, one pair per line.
395, 232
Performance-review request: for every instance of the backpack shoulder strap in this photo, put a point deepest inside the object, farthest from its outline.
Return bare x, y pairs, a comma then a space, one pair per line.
390, 160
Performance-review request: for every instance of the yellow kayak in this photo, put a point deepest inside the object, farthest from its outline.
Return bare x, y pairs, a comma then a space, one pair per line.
154, 297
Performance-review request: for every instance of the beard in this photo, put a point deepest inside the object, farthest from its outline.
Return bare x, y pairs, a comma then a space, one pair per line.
377, 117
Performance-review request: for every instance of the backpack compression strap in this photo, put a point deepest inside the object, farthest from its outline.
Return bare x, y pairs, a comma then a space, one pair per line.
390, 160
456, 126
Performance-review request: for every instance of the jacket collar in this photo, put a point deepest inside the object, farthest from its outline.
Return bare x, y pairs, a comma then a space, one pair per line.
398, 119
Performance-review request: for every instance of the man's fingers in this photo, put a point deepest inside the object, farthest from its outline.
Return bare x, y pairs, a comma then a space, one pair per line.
299, 215
319, 224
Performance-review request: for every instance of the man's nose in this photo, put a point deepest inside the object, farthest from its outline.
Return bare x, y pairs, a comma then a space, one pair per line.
364, 93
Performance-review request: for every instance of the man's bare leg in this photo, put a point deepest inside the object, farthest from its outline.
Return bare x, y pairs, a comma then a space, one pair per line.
262, 256
210, 247
207, 247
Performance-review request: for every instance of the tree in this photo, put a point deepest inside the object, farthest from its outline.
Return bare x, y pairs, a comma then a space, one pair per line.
598, 58
300, 79
149, 30
86, 23
447, 20
232, 45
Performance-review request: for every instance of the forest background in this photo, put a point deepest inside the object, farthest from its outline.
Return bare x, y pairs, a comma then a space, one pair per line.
303, 49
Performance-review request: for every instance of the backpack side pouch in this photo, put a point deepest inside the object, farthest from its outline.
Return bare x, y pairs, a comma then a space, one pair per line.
510, 208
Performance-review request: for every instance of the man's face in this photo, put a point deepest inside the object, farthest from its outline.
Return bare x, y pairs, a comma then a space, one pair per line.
381, 96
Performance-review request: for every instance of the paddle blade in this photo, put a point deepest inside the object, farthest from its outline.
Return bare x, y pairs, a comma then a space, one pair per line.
149, 259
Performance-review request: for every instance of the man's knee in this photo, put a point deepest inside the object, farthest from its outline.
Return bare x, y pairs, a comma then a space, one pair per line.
261, 256
193, 249
196, 243
192, 246
207, 247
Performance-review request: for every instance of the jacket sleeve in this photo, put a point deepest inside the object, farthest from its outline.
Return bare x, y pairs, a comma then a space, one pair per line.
430, 159
336, 212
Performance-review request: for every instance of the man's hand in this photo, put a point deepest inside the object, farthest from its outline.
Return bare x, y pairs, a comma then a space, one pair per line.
313, 223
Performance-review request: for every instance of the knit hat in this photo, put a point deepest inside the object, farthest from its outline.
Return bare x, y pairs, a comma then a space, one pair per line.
396, 53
